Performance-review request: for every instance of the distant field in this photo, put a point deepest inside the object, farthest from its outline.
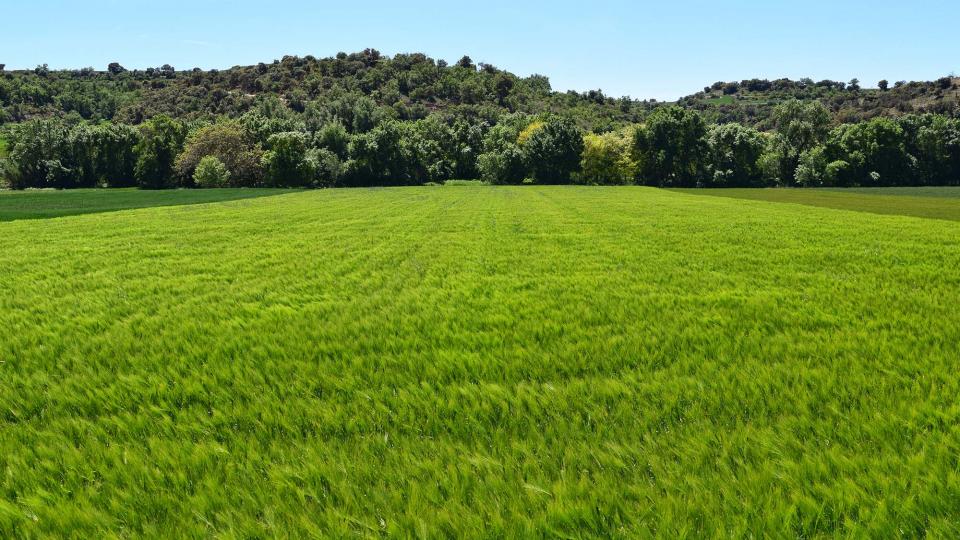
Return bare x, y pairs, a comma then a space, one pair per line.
35, 204
927, 191
928, 202
515, 362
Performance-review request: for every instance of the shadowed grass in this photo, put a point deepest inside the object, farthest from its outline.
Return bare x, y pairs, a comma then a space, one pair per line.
951, 192
938, 203
42, 204
490, 362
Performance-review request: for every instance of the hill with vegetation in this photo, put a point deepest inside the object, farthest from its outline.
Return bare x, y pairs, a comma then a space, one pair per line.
413, 86
364, 119
352, 87
753, 101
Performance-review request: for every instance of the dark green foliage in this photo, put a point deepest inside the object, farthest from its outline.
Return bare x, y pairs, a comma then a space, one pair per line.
670, 148
51, 153
552, 153
378, 157
502, 159
735, 152
231, 144
161, 141
362, 89
869, 154
37, 151
367, 119
800, 127
286, 163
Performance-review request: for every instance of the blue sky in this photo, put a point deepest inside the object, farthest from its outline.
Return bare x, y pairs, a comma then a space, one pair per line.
643, 49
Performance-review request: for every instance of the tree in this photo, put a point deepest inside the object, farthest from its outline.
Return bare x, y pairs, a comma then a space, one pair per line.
501, 161
115, 68
116, 154
161, 140
854, 85
800, 126
883, 85
231, 144
552, 153
364, 115
333, 137
378, 157
286, 164
935, 143
211, 173
670, 149
735, 152
38, 150
874, 151
502, 85
466, 62
606, 159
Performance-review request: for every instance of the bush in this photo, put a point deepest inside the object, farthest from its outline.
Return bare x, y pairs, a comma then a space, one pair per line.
230, 143
211, 173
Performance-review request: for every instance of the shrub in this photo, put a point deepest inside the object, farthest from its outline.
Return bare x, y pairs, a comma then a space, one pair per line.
230, 143
211, 173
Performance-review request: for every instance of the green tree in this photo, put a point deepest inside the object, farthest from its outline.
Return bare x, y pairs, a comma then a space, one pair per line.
333, 136
231, 144
875, 152
161, 140
606, 159
37, 154
378, 157
800, 126
735, 152
552, 153
211, 173
670, 148
501, 161
286, 163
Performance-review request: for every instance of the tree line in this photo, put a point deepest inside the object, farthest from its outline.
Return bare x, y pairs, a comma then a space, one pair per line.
672, 147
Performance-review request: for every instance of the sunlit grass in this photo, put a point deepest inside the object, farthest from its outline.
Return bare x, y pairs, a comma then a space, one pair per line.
480, 362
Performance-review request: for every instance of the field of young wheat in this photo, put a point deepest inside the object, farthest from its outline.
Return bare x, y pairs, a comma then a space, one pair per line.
480, 361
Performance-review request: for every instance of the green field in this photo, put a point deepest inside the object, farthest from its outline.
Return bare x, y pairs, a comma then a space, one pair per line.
950, 192
529, 361
38, 204
925, 202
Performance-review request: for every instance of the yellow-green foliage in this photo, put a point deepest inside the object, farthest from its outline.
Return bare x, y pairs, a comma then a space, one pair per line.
529, 131
505, 362
606, 159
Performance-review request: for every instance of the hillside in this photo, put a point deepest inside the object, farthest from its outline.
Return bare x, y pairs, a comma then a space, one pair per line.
411, 86
405, 87
752, 101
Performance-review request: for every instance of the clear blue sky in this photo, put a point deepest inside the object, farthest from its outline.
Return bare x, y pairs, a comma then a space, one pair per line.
643, 49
